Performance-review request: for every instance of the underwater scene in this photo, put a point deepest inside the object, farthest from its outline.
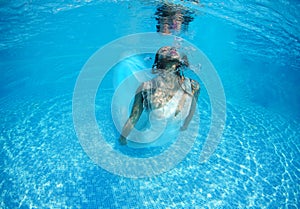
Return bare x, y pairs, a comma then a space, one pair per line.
71, 72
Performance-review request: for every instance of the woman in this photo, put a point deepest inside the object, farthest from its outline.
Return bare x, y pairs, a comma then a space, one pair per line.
169, 99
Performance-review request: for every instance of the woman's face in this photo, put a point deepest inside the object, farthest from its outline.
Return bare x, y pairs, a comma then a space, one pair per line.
168, 54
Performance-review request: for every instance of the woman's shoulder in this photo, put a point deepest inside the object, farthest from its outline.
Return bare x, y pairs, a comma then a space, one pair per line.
146, 85
195, 86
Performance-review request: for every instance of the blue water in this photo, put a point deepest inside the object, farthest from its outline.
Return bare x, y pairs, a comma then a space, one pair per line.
255, 48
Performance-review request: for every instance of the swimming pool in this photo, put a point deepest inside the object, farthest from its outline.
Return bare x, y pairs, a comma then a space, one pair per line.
254, 47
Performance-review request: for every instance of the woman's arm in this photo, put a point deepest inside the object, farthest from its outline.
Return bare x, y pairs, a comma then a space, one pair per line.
135, 114
196, 91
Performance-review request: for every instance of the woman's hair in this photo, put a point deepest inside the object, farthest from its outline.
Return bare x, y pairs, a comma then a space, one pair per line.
161, 60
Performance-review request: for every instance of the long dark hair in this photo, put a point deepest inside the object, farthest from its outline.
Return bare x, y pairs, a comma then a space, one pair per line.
159, 64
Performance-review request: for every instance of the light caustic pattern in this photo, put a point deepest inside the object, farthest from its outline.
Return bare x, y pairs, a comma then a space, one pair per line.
89, 80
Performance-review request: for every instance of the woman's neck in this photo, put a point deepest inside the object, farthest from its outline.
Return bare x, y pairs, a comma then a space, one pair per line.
169, 79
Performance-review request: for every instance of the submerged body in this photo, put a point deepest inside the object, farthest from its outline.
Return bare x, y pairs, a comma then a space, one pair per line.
169, 101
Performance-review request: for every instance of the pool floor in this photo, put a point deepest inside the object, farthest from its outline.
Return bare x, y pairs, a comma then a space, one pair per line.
256, 165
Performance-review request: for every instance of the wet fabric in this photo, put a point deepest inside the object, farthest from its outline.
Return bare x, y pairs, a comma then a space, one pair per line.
161, 125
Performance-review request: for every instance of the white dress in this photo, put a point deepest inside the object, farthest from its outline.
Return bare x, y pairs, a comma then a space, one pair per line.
160, 126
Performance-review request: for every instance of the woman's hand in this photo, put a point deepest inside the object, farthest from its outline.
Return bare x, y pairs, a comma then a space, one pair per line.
122, 140
135, 114
183, 128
